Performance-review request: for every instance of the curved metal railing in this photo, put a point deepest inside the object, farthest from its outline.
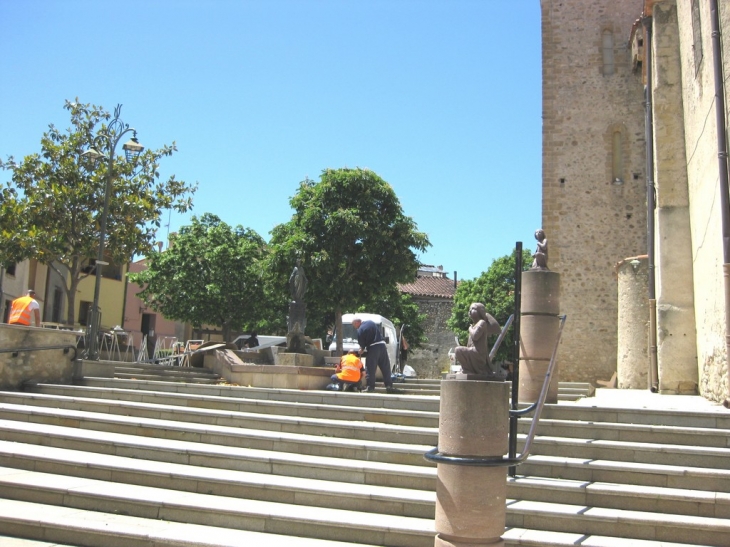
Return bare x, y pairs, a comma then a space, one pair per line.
500, 461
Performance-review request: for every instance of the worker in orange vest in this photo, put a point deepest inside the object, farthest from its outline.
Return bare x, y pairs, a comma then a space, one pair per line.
22, 309
348, 370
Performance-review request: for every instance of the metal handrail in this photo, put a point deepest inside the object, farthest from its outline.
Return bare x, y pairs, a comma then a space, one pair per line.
501, 336
434, 455
64, 347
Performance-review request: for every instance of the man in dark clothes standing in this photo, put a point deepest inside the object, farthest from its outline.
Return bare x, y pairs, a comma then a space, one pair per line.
370, 339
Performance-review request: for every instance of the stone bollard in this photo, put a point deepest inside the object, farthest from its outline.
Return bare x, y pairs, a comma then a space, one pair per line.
539, 325
470, 500
633, 323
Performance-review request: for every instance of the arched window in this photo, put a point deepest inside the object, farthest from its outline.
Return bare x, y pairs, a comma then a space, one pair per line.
607, 49
696, 34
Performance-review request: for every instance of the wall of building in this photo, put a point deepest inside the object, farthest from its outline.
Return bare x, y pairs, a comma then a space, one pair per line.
111, 298
676, 338
28, 274
593, 129
134, 311
700, 129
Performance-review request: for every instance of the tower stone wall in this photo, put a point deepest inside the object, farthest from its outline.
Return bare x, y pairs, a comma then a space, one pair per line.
594, 179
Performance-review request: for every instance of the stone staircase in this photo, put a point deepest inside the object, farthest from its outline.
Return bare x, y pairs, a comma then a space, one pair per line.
150, 460
567, 391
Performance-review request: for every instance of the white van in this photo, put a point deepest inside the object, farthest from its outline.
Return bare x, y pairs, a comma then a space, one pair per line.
349, 334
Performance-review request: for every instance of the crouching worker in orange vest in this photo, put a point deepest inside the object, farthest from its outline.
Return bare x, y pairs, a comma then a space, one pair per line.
22, 309
348, 372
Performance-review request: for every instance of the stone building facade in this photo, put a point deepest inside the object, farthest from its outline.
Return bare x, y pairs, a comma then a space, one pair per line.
621, 180
433, 292
594, 183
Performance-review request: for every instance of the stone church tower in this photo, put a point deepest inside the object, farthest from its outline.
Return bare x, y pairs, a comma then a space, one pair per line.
594, 170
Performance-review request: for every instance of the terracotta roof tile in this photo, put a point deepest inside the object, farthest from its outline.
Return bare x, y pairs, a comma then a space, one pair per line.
438, 287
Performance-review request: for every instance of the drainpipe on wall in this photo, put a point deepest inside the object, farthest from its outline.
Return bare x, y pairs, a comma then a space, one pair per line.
650, 206
723, 171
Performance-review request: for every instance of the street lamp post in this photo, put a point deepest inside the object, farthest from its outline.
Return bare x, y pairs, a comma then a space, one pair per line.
107, 138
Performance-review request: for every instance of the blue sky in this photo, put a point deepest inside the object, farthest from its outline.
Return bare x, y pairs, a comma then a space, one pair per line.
441, 98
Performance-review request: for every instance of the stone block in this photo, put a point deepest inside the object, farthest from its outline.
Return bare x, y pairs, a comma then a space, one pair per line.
532, 378
294, 359
540, 292
471, 502
474, 418
538, 334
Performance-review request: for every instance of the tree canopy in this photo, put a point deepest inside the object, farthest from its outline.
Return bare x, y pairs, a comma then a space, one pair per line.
59, 194
212, 274
495, 289
353, 238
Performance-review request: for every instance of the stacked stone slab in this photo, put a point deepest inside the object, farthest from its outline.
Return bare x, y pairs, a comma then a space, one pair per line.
470, 500
539, 324
633, 323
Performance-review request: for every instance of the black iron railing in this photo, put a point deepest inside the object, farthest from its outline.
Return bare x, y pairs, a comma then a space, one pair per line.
500, 461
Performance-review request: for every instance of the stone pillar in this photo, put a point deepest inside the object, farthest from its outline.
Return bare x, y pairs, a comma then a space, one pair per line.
632, 366
470, 500
539, 324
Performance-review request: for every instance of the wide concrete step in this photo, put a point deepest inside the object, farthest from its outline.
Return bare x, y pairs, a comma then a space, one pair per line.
647, 416
229, 512
661, 434
13, 402
523, 537
337, 524
382, 435
351, 496
167, 377
86, 528
639, 525
310, 410
622, 472
562, 411
636, 452
337, 465
221, 482
366, 400
633, 497
75, 395
7, 541
150, 368
408, 390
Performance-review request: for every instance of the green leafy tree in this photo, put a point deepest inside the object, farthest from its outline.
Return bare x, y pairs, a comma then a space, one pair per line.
495, 289
211, 275
353, 238
15, 245
60, 193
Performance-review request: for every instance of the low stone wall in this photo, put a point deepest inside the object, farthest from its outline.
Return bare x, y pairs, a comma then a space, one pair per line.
228, 365
30, 362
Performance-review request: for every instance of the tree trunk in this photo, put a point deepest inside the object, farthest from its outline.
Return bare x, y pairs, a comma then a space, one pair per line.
338, 331
71, 300
226, 327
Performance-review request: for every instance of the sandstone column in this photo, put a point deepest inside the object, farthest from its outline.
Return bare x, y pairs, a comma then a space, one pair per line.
470, 500
633, 323
539, 325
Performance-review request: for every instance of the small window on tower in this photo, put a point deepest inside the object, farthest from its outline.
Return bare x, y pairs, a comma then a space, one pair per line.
696, 34
617, 160
607, 49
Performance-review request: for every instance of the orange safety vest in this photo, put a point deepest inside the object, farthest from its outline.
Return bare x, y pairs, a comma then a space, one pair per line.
349, 368
20, 311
